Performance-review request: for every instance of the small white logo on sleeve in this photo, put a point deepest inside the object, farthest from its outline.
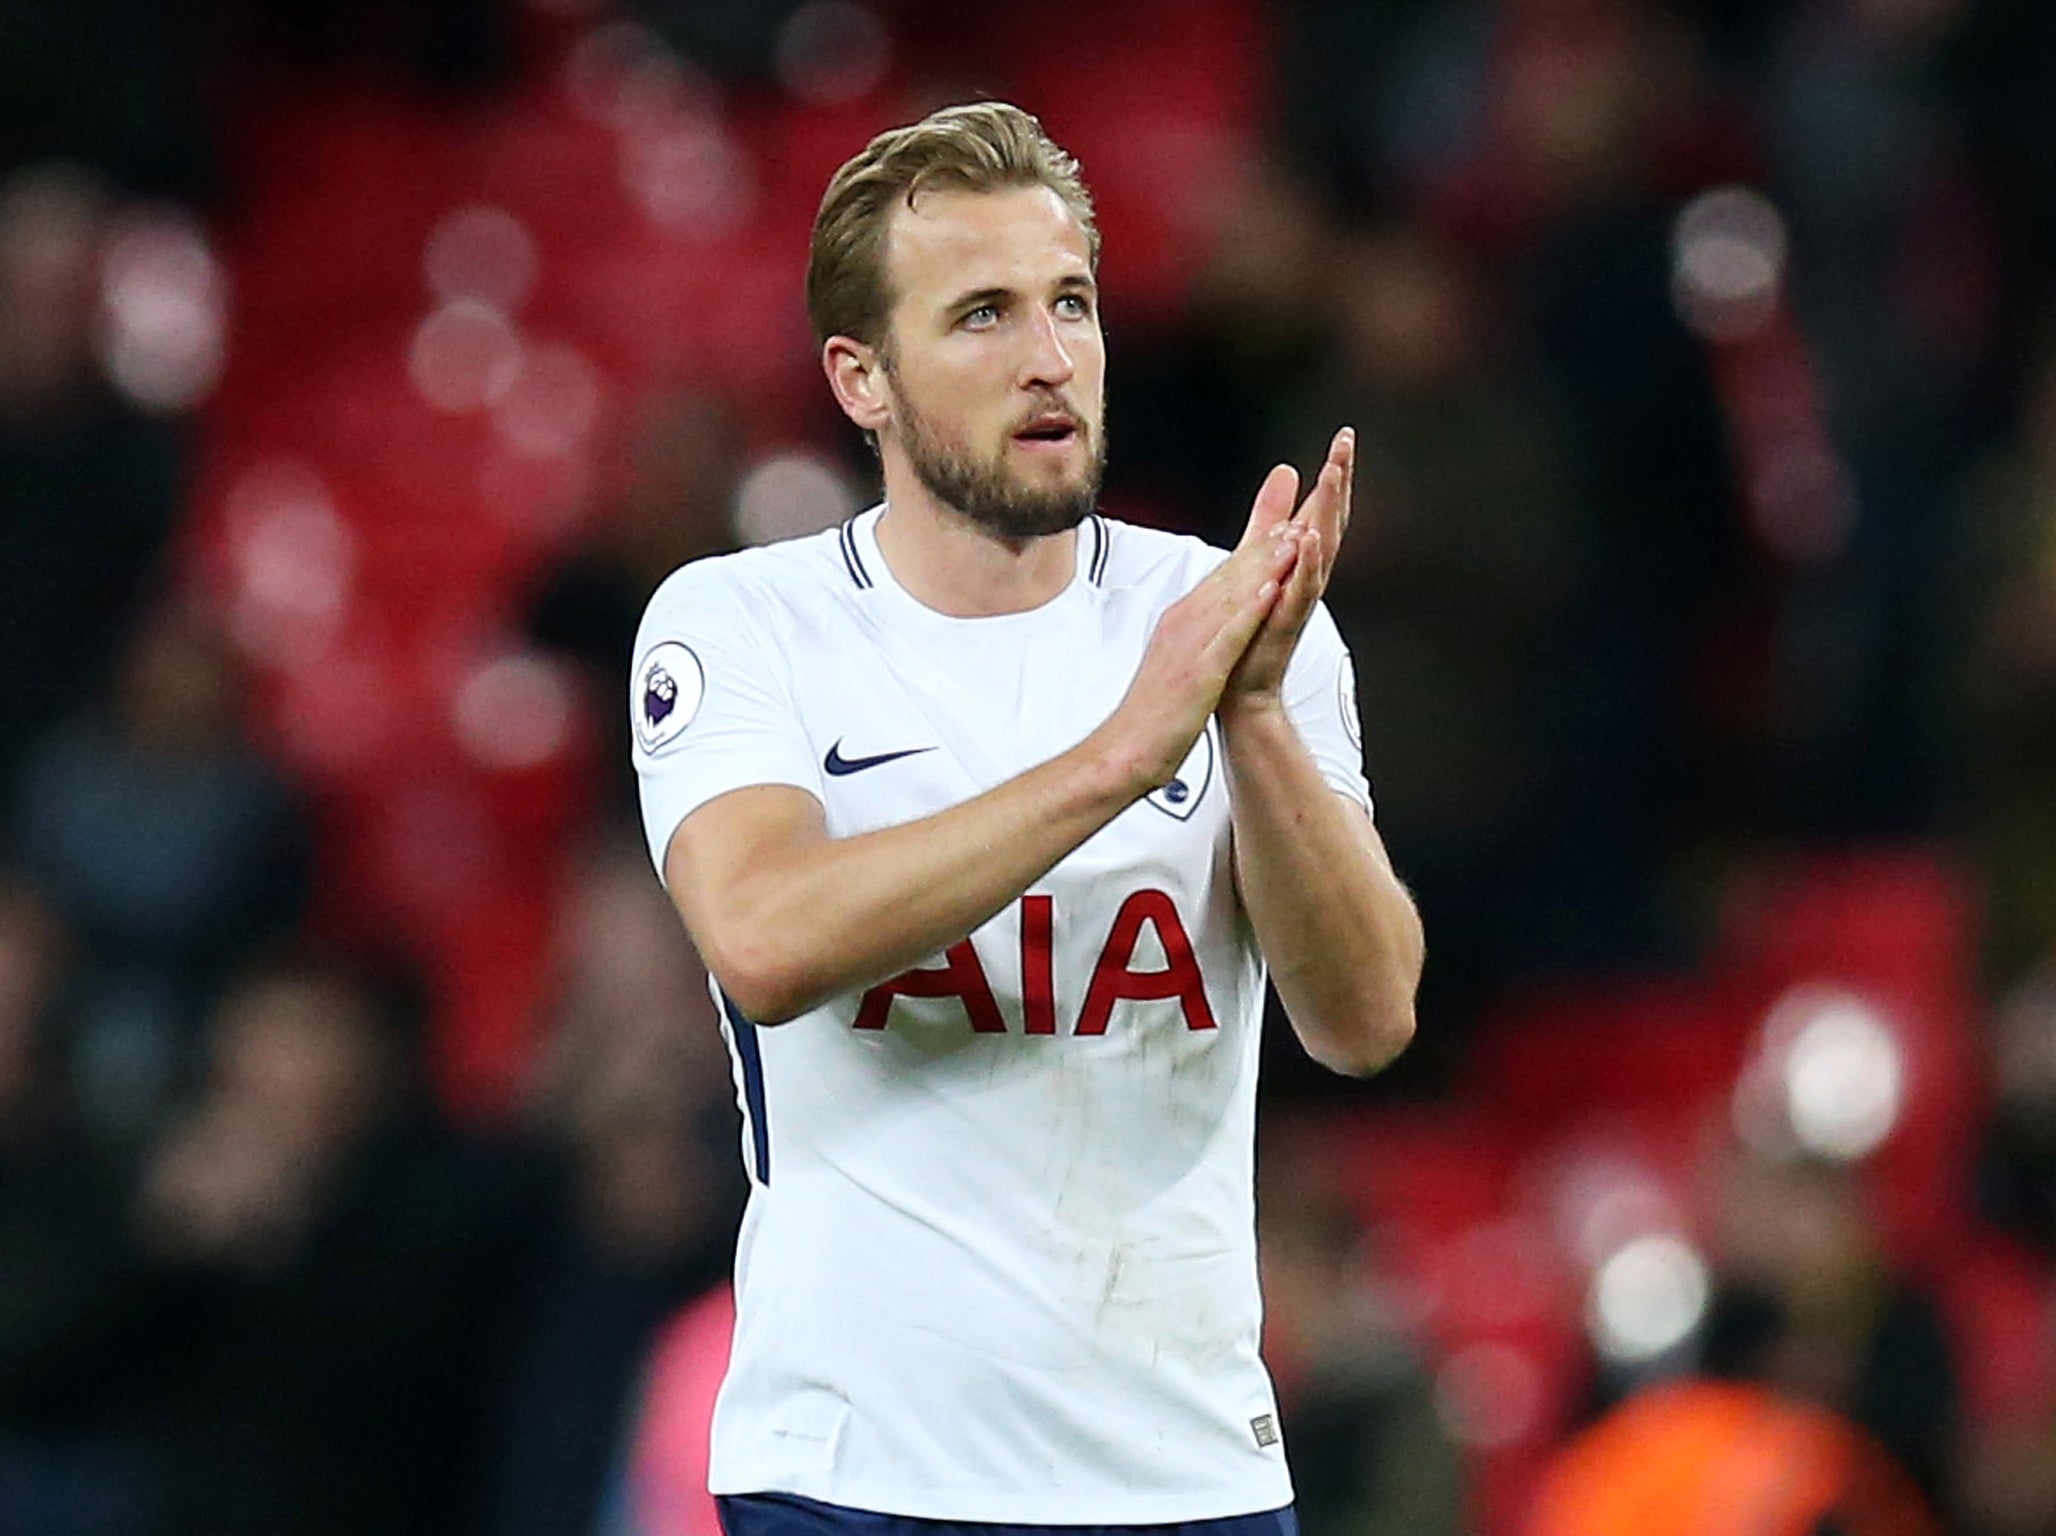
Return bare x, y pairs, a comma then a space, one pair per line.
669, 685
1345, 698
1265, 1427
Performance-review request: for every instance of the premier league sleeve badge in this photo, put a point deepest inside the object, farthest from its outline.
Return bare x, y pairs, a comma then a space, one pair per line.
669, 684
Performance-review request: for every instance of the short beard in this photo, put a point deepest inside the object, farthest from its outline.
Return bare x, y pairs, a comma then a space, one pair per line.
987, 495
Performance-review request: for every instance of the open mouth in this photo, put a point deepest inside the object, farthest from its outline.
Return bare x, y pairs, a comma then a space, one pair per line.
1048, 430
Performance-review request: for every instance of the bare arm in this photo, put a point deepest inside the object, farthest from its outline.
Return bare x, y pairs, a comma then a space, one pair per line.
1340, 932
786, 916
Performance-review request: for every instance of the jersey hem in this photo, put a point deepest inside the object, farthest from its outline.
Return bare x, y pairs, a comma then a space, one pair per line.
1037, 1508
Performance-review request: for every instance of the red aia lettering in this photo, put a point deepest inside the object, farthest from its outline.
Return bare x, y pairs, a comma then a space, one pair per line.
1038, 967
1112, 980
962, 976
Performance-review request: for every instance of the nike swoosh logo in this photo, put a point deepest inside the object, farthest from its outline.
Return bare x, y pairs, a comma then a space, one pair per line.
839, 765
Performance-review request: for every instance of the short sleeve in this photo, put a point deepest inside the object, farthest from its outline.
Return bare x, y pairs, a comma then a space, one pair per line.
1320, 696
709, 708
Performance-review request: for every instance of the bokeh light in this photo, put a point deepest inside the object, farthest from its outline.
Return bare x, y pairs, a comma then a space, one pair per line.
1843, 1080
1828, 1078
832, 51
789, 495
1647, 1298
1605, 1198
624, 76
163, 308
689, 177
1728, 262
514, 712
464, 357
292, 561
553, 403
481, 253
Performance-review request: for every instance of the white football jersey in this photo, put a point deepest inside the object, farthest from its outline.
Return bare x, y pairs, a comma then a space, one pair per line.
999, 1258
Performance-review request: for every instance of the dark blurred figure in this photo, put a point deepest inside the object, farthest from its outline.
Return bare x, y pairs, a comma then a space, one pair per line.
1200, 404
1336, 68
1896, 279
1368, 1451
170, 848
2018, 1173
2008, 1466
1499, 120
1998, 60
327, 1278
447, 45
674, 504
2008, 1483
1453, 588
62, 1267
2005, 687
88, 484
635, 1111
1806, 1304
735, 41
1603, 126
1555, 140
115, 84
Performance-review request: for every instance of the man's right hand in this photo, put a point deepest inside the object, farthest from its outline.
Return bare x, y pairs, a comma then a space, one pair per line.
1199, 640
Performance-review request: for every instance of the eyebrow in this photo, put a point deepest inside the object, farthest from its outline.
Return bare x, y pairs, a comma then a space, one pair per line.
978, 298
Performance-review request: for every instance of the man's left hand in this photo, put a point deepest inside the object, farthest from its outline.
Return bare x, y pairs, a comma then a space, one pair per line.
1316, 527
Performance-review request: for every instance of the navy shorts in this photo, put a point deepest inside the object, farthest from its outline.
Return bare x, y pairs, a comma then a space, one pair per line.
787, 1514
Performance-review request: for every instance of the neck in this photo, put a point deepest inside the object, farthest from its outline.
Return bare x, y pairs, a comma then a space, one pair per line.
947, 562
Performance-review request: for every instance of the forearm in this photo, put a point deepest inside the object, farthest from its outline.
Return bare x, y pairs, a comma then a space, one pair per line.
1339, 931
787, 917
814, 919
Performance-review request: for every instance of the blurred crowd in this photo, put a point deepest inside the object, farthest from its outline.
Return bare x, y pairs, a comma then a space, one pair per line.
1702, 359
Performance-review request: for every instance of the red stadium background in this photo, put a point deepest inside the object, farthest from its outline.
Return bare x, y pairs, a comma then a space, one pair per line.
369, 364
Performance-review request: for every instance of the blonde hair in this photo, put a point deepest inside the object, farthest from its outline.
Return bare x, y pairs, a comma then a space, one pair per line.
982, 146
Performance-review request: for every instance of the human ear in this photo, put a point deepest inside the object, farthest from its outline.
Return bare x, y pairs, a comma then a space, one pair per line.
856, 374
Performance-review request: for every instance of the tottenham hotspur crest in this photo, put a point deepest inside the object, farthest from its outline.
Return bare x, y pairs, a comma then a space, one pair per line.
1181, 797
668, 687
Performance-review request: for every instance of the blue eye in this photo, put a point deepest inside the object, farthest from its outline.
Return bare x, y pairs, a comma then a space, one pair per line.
1073, 306
982, 316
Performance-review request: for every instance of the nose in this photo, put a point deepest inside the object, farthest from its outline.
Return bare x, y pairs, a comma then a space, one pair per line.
1048, 360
